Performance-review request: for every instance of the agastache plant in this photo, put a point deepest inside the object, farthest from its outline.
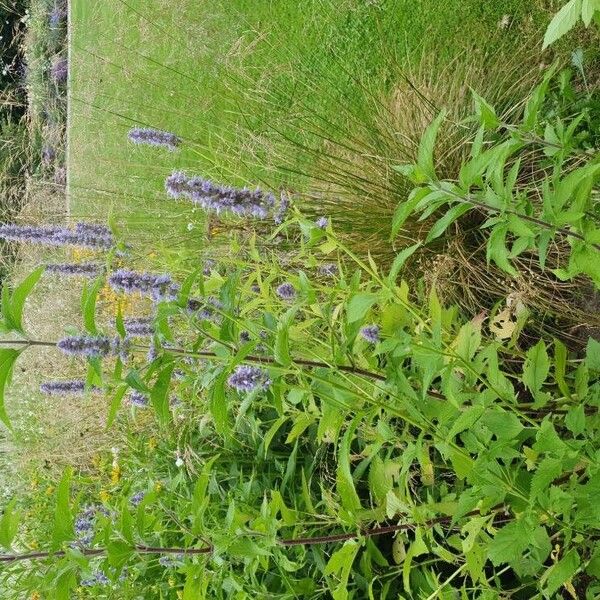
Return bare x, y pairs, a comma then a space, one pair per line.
154, 137
218, 198
139, 326
87, 346
247, 378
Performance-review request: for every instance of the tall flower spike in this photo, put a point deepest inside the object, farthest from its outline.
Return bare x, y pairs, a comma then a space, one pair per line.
158, 287
218, 198
60, 70
60, 388
54, 235
138, 399
86, 346
75, 269
154, 137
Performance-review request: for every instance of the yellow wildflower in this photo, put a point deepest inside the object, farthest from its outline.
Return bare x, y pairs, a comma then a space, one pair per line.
158, 486
36, 596
171, 582
115, 474
104, 496
152, 443
50, 490
34, 545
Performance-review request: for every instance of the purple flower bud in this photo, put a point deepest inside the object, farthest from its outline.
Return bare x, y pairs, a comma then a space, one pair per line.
60, 176
247, 378
48, 155
286, 291
244, 337
329, 270
208, 267
59, 388
322, 222
140, 326
136, 499
138, 399
86, 346
154, 137
75, 269
370, 333
170, 561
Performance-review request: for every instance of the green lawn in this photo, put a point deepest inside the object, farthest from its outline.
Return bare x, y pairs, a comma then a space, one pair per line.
247, 84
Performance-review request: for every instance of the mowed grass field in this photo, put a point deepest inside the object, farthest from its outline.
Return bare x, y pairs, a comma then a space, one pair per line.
249, 86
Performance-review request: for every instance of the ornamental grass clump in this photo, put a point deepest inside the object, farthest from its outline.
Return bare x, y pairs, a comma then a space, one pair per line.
218, 198
154, 137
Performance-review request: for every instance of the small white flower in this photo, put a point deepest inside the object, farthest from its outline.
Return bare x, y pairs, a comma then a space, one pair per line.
190, 226
179, 462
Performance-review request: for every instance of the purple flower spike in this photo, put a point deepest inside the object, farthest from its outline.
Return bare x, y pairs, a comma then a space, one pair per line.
57, 15
154, 137
140, 327
246, 378
286, 291
218, 198
158, 287
86, 346
60, 388
322, 222
370, 333
53, 235
75, 270
284, 205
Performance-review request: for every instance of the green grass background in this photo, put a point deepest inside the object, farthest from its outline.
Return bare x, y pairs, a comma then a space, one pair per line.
228, 74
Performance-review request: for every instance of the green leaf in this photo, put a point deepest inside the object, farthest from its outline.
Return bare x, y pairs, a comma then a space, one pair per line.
218, 406
427, 145
302, 421
560, 367
9, 524
118, 553
159, 395
536, 367
359, 305
588, 8
281, 350
379, 481
466, 420
497, 251
115, 404
564, 20
560, 573
547, 471
88, 305
7, 360
407, 208
340, 564
575, 419
592, 354
19, 296
440, 226
509, 543
504, 425
485, 112
63, 519
345, 483
399, 261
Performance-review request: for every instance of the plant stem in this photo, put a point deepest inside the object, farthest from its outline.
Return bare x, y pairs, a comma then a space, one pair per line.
102, 551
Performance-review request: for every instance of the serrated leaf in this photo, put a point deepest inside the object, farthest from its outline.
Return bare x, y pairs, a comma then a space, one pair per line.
575, 419
547, 471
485, 111
159, 395
509, 543
588, 8
344, 481
504, 425
440, 226
564, 20
557, 575
399, 261
358, 306
407, 208
592, 354
536, 367
218, 406
466, 420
